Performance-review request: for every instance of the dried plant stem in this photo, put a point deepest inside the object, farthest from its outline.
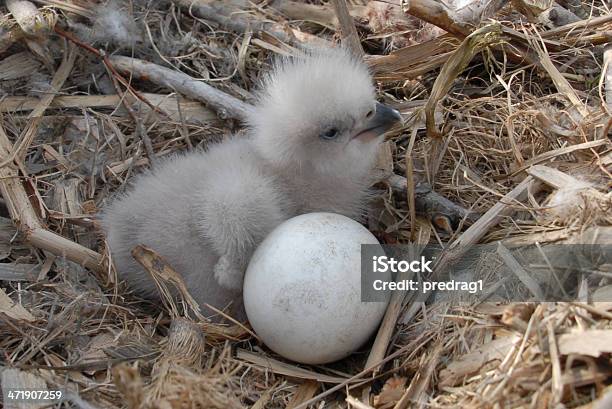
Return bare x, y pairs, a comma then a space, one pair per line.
229, 20
475, 232
429, 203
350, 37
14, 194
562, 84
436, 13
474, 43
72, 38
285, 368
459, 22
32, 127
553, 177
355, 377
168, 281
419, 385
412, 61
26, 219
226, 105
578, 26
385, 331
61, 246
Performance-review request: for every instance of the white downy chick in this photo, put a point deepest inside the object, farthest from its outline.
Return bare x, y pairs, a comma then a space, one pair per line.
312, 144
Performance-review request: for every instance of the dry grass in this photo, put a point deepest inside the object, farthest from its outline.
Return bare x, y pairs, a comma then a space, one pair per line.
78, 128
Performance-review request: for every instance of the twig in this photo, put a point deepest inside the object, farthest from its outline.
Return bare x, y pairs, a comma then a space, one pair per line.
483, 37
29, 132
287, 369
578, 26
26, 219
482, 226
191, 112
459, 22
410, 182
475, 232
226, 105
429, 203
220, 14
416, 391
412, 61
168, 282
71, 37
554, 178
350, 37
557, 382
562, 84
140, 130
355, 377
385, 331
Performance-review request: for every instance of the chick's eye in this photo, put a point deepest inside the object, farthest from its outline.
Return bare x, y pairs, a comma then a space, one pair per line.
370, 114
330, 134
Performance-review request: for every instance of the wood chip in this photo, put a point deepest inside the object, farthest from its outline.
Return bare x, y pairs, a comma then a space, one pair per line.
14, 310
592, 342
283, 368
18, 65
470, 363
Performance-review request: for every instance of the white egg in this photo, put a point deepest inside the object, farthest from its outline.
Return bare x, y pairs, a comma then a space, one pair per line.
302, 289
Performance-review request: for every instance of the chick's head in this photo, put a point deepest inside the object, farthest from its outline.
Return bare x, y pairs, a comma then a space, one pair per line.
319, 110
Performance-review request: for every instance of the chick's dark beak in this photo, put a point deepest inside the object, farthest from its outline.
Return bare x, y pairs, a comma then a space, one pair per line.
384, 118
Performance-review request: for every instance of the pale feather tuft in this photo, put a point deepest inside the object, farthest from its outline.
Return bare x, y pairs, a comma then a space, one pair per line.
304, 94
112, 23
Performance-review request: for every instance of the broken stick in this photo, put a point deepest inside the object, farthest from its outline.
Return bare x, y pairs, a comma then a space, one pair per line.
226, 105
460, 22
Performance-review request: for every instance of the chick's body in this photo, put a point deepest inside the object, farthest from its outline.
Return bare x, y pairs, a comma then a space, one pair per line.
205, 212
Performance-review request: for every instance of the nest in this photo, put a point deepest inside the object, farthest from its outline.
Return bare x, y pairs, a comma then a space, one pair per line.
507, 109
